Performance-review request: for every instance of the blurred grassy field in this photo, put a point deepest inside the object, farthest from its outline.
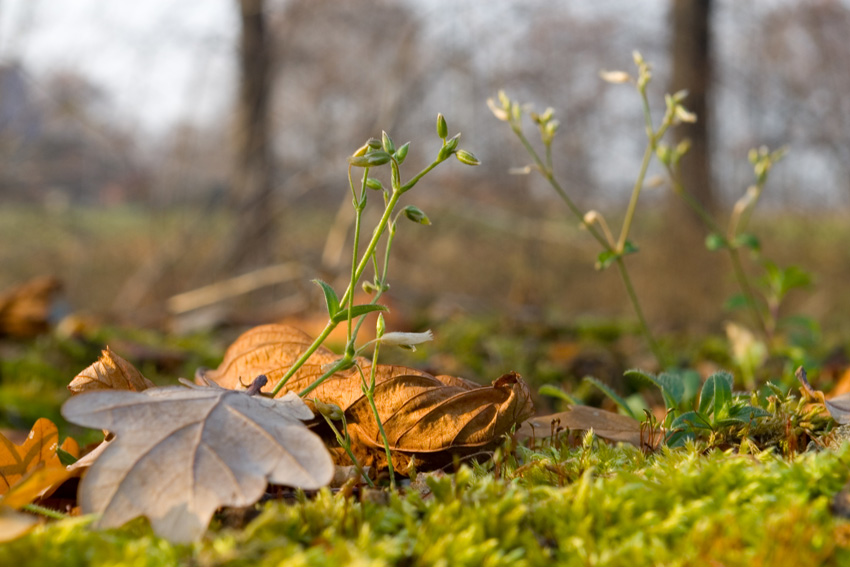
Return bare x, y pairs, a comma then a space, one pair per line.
534, 266
517, 292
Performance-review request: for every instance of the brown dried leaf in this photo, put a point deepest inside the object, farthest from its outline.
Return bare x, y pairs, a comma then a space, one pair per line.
110, 372
38, 450
180, 453
605, 424
25, 310
427, 417
838, 407
271, 350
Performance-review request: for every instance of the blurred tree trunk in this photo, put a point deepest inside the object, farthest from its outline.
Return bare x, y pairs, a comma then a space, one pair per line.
692, 70
690, 52
252, 196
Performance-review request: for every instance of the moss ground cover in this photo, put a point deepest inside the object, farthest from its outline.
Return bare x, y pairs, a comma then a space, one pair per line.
589, 505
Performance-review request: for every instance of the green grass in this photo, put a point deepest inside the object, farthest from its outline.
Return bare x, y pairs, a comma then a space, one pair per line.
590, 505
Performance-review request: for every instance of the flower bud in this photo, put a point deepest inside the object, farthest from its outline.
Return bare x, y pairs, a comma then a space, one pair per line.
401, 153
373, 158
374, 184
466, 157
684, 115
330, 411
416, 214
499, 113
387, 143
442, 127
374, 143
615, 77
380, 327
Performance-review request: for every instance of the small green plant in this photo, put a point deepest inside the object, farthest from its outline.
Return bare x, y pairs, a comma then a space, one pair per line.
772, 288
613, 249
373, 154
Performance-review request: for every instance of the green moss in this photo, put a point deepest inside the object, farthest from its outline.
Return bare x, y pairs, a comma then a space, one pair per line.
592, 505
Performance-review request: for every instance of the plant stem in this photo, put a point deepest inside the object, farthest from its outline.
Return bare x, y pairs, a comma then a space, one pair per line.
303, 358
336, 367
358, 215
653, 345
738, 268
370, 396
44, 511
630, 212
547, 174
345, 442
621, 266
744, 284
356, 274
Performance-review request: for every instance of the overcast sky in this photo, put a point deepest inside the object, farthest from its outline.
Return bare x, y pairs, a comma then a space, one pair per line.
153, 58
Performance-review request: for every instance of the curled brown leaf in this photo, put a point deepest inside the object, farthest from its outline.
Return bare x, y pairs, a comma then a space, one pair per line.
429, 418
110, 372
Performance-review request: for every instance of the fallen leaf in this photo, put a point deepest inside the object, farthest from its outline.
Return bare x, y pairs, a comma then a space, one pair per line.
180, 453
605, 424
838, 407
14, 524
429, 418
39, 449
110, 372
25, 310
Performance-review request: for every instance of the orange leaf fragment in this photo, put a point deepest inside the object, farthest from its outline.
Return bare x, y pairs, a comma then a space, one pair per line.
39, 449
110, 372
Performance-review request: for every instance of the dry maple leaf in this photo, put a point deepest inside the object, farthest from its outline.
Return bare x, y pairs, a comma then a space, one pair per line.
39, 449
431, 418
110, 372
180, 453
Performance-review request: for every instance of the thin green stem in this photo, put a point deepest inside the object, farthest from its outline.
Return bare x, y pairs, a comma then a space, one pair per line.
336, 367
345, 442
44, 511
693, 204
359, 203
653, 345
550, 177
356, 274
370, 396
744, 284
304, 357
630, 212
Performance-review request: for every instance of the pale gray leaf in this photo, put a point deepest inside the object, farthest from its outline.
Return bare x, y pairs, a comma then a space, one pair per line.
181, 453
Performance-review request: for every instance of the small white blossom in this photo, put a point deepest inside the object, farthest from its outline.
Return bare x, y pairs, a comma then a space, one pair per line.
615, 76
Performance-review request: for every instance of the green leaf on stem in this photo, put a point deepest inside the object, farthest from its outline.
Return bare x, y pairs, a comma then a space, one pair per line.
357, 311
553, 391
715, 242
614, 396
737, 301
716, 394
608, 257
747, 240
331, 298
